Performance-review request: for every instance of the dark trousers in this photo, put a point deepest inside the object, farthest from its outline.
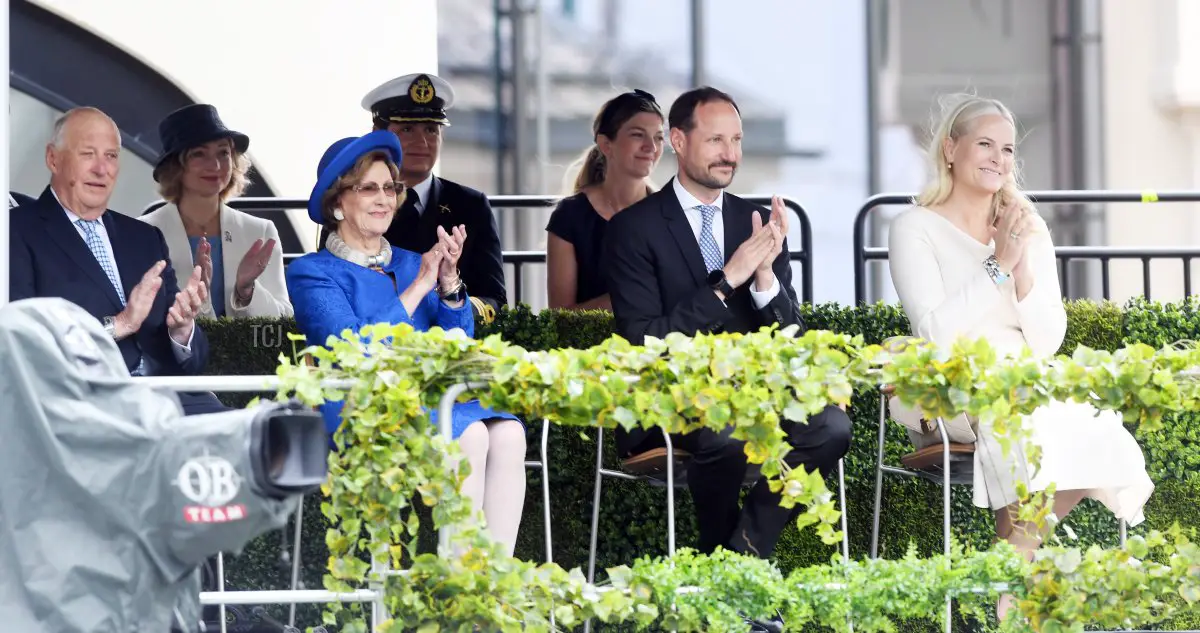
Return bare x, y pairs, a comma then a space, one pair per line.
718, 468
200, 402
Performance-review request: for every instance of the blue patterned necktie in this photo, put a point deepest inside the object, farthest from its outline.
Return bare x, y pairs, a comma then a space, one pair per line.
708, 245
92, 232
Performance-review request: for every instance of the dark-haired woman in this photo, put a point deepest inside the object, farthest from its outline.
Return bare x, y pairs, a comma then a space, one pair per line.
613, 175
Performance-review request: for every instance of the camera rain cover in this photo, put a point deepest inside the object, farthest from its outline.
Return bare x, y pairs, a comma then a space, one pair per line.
111, 499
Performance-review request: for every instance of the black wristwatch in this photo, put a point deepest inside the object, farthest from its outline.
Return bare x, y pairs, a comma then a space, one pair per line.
718, 282
458, 294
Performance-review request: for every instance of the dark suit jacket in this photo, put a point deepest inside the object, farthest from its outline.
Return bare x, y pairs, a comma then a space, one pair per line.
50, 259
656, 274
657, 279
451, 204
16, 199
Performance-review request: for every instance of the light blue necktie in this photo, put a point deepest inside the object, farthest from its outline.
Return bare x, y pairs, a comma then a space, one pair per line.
708, 245
91, 233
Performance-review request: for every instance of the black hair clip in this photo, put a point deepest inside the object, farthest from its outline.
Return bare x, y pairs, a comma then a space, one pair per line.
642, 94
611, 108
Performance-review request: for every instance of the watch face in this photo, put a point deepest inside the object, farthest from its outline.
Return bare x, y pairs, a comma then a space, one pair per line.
716, 277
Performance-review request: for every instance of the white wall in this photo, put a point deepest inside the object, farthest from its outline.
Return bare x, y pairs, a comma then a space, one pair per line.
32, 125
1151, 65
288, 74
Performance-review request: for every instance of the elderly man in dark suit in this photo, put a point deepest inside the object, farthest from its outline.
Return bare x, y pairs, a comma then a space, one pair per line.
68, 244
692, 258
413, 107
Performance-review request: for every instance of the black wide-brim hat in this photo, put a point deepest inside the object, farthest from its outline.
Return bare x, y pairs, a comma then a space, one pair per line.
193, 126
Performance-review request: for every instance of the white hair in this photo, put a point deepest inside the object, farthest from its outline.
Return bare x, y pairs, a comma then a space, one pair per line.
58, 139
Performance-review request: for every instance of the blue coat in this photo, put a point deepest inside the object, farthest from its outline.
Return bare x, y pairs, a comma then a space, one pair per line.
331, 294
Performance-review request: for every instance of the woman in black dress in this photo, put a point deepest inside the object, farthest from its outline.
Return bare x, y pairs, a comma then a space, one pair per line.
613, 174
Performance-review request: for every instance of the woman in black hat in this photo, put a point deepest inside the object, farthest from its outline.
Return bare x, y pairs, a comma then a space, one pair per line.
203, 164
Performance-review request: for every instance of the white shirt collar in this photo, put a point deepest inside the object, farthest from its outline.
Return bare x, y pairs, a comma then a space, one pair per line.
688, 201
70, 214
422, 190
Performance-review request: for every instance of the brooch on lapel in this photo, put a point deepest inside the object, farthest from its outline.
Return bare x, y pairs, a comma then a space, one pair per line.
443, 208
228, 237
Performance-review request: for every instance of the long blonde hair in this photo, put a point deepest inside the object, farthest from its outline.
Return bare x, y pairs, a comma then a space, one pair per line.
953, 121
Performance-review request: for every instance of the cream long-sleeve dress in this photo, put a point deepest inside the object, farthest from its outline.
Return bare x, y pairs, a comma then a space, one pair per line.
937, 270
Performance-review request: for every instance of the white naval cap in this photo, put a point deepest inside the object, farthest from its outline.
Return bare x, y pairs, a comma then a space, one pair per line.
419, 97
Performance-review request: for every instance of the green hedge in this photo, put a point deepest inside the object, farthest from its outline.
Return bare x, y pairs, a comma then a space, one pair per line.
633, 522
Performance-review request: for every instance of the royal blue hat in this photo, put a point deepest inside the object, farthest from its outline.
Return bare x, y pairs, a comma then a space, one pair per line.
341, 156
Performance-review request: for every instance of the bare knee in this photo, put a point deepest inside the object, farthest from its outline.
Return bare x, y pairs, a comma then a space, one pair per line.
474, 441
1022, 535
506, 437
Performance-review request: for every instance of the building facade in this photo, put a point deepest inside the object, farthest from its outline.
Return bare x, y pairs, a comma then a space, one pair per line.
1107, 95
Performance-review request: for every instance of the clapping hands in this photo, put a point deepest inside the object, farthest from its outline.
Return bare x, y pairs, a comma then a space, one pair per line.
181, 317
450, 245
755, 256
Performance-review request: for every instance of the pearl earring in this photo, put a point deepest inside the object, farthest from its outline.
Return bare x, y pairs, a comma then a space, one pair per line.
338, 215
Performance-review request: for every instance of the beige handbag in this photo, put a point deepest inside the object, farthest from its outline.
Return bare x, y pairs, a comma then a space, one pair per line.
924, 432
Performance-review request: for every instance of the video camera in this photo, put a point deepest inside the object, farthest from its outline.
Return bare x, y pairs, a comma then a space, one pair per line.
111, 499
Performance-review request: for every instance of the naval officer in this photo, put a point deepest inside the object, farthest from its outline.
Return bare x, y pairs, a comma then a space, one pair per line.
413, 107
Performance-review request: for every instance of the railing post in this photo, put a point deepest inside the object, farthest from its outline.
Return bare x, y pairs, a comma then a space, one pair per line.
446, 428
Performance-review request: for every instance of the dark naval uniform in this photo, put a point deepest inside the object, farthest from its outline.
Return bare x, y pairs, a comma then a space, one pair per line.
423, 98
451, 204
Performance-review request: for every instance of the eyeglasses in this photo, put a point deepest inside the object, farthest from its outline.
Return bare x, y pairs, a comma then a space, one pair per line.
390, 189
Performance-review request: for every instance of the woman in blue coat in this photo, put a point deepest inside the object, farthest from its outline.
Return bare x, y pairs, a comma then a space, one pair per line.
360, 279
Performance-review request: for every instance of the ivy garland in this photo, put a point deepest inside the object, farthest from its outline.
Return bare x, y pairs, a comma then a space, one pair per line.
390, 457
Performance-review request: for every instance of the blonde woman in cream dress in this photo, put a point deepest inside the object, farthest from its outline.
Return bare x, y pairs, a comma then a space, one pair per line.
973, 259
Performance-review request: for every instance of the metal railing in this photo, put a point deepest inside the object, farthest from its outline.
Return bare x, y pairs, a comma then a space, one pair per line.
1105, 255
520, 259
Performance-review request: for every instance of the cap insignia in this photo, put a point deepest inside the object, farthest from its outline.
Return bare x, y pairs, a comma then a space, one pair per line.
421, 91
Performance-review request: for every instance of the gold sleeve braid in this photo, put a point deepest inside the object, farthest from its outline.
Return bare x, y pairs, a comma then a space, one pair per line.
483, 309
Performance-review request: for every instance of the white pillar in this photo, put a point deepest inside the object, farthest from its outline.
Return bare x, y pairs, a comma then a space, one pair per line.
1178, 94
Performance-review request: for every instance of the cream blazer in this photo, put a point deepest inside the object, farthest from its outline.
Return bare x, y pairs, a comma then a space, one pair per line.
238, 232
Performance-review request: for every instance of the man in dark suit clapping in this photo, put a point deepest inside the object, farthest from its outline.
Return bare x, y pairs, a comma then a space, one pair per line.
692, 258
68, 244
